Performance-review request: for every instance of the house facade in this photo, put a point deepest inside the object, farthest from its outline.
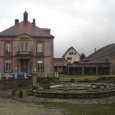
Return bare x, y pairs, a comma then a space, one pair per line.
60, 65
26, 47
71, 55
71, 64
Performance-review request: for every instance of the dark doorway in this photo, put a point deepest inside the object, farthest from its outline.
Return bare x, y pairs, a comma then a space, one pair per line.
24, 65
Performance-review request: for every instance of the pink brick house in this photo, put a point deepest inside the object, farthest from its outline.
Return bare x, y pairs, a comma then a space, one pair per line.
26, 47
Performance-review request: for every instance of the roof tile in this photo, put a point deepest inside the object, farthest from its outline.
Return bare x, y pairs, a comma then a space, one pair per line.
25, 27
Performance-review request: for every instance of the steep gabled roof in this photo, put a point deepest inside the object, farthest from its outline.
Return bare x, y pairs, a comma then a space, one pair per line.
25, 28
107, 51
68, 50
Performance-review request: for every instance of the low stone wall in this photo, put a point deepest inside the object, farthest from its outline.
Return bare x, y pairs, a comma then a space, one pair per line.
68, 95
14, 83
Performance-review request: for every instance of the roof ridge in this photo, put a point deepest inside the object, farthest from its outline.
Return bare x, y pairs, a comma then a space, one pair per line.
94, 55
25, 27
68, 50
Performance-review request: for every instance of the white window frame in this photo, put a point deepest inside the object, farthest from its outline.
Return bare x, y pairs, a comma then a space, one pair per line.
8, 47
24, 46
8, 65
39, 47
40, 65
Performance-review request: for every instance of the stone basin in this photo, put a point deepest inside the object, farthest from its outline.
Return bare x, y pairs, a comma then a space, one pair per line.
77, 90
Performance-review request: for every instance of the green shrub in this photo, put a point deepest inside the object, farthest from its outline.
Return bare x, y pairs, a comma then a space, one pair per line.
72, 80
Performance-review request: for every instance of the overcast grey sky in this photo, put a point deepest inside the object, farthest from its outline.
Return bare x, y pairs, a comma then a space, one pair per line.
83, 24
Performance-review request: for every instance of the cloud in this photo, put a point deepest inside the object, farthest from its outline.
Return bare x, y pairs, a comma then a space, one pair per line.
83, 24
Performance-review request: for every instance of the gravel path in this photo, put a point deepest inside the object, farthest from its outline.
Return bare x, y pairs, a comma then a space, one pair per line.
31, 99
30, 105
13, 107
107, 100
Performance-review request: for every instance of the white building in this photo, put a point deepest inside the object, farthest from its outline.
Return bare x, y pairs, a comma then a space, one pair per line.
72, 56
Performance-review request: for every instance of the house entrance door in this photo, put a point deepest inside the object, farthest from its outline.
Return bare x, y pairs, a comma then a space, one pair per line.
24, 65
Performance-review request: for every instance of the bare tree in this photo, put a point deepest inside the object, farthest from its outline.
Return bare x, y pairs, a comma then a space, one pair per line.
82, 56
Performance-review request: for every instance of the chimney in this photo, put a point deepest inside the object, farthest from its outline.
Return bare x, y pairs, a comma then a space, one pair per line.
16, 21
34, 22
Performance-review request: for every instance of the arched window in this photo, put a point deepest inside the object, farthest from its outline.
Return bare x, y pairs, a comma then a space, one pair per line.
7, 65
40, 65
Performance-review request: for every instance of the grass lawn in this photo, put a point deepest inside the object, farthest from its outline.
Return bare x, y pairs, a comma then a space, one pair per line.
77, 77
88, 109
13, 107
91, 109
65, 77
